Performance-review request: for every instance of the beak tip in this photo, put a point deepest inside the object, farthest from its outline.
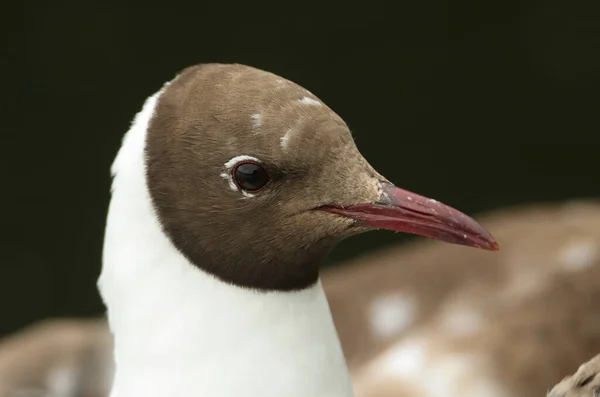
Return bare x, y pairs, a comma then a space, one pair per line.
489, 242
494, 246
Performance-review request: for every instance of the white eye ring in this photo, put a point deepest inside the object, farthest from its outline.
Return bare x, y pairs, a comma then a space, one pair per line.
226, 174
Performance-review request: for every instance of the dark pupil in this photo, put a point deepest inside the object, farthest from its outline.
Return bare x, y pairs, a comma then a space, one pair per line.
251, 176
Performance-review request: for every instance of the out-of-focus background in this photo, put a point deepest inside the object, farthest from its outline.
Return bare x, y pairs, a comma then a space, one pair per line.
482, 105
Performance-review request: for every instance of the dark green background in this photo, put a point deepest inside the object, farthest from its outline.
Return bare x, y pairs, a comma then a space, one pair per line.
479, 104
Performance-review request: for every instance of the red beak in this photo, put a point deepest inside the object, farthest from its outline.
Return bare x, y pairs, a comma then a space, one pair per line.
403, 211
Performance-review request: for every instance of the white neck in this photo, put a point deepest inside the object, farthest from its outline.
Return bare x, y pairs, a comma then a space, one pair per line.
181, 332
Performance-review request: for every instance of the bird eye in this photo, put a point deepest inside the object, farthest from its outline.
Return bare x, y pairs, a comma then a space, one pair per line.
250, 176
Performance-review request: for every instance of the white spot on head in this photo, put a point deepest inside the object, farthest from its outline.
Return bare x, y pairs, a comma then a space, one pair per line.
281, 84
256, 120
285, 139
229, 179
226, 174
579, 254
229, 165
409, 198
391, 314
309, 101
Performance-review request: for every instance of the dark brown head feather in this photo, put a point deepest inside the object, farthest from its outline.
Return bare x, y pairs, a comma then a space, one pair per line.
212, 113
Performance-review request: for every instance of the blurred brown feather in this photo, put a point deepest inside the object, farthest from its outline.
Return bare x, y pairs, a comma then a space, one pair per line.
57, 358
